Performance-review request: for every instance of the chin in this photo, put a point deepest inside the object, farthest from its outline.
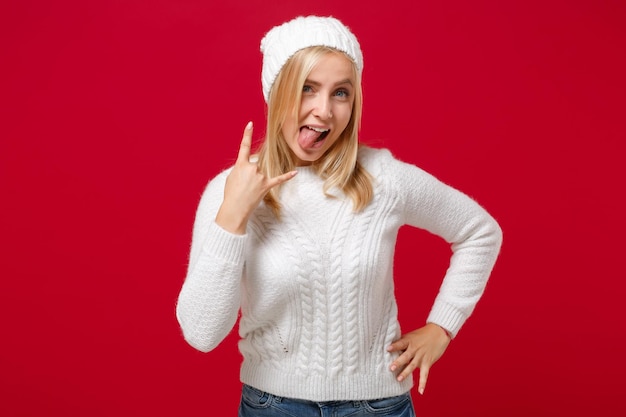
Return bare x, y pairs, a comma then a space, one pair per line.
307, 158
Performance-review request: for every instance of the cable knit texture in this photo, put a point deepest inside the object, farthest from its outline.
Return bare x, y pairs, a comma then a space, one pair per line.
316, 289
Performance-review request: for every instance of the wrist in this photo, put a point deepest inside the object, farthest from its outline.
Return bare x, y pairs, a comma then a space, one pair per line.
231, 221
447, 333
444, 330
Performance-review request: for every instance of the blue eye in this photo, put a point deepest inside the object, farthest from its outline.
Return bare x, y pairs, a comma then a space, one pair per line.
342, 93
307, 89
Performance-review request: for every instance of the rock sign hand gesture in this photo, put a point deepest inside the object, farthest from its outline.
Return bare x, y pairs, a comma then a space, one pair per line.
245, 188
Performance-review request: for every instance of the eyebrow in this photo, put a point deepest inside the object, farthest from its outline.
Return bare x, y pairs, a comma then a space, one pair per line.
316, 83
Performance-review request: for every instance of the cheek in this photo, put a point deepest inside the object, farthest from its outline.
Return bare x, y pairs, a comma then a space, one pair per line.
289, 128
343, 117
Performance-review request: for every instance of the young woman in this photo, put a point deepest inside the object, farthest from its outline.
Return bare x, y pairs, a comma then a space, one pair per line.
300, 237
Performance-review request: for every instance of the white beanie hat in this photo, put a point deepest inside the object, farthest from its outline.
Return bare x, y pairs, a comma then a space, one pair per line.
282, 41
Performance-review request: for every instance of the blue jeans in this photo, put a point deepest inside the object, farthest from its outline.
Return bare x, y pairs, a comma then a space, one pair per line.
256, 403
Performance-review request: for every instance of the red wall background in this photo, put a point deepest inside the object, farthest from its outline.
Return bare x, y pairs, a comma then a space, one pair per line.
115, 114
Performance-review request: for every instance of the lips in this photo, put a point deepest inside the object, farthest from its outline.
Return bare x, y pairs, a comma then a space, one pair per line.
312, 137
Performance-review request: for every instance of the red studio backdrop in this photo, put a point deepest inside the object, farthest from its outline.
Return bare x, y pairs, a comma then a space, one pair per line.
115, 114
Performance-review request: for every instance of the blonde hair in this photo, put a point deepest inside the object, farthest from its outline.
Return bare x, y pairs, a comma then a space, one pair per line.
338, 166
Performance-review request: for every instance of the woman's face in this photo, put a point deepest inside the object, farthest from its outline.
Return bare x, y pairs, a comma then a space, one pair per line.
327, 100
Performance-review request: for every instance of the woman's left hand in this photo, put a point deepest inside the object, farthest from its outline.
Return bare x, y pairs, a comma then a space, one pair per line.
420, 348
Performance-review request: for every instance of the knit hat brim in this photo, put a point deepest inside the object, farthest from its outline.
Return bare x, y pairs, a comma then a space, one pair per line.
283, 41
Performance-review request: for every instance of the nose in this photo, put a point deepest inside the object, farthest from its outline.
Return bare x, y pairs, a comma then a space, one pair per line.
323, 107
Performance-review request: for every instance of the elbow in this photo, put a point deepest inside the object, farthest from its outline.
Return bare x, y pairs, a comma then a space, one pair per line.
491, 236
194, 335
204, 346
486, 233
198, 339
496, 232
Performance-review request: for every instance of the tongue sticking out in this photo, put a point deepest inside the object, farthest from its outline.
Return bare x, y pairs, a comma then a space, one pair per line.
307, 138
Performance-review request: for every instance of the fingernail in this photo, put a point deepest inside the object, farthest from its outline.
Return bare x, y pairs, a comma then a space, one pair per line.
249, 125
421, 390
393, 368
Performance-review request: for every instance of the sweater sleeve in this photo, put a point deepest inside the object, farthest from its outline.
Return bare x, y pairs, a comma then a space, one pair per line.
474, 235
208, 303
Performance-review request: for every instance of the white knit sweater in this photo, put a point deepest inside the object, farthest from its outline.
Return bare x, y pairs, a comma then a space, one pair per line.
316, 289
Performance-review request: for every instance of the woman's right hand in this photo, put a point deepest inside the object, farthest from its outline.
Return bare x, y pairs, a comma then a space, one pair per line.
245, 188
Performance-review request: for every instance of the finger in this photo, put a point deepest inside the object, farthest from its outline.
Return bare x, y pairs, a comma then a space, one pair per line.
246, 144
423, 378
281, 179
408, 370
401, 361
398, 345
